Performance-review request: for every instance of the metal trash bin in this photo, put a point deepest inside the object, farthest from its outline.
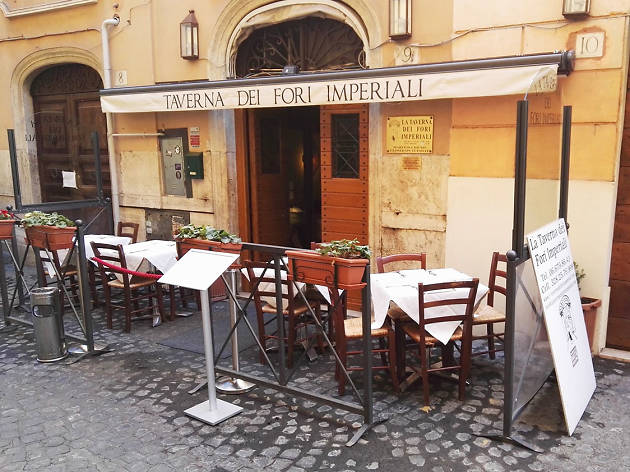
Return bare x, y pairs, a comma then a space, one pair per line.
48, 324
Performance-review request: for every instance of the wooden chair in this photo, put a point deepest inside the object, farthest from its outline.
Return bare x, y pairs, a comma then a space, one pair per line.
488, 315
351, 329
296, 312
382, 261
128, 229
425, 341
131, 287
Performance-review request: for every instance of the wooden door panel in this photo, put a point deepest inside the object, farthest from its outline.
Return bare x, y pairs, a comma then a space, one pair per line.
347, 186
625, 146
352, 199
622, 224
344, 176
268, 177
618, 329
64, 123
620, 269
617, 333
620, 296
623, 191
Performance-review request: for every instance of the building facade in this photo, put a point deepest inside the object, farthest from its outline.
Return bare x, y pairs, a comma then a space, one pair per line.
401, 169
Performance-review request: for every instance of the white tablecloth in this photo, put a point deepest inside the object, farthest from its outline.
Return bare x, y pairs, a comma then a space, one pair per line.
160, 254
401, 287
88, 238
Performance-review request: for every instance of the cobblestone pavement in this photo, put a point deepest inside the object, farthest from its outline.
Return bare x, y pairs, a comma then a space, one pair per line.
123, 411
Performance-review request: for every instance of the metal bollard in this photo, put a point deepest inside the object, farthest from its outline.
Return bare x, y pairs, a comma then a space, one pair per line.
48, 324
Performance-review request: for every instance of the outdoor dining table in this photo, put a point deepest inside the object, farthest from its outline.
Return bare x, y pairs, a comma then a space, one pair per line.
401, 287
156, 253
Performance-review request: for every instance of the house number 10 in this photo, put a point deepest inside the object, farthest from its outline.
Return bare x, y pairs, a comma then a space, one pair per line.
589, 45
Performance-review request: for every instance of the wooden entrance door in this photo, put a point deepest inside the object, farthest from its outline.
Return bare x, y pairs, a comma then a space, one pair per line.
344, 175
64, 125
67, 110
618, 335
268, 179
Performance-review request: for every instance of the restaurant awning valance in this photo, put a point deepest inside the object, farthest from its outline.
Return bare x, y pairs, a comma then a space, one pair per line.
514, 75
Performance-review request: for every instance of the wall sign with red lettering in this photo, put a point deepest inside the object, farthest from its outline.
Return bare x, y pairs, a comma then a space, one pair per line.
194, 137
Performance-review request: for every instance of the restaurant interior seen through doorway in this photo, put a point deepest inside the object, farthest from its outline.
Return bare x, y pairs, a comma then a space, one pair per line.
302, 174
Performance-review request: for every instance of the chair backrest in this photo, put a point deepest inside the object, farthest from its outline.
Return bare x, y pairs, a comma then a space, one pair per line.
495, 285
382, 261
114, 254
259, 283
53, 259
464, 298
128, 229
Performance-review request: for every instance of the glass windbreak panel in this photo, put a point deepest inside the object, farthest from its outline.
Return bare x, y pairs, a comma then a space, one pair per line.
270, 158
544, 156
345, 146
532, 356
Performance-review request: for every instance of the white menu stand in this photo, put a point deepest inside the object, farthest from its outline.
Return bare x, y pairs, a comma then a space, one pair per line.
198, 270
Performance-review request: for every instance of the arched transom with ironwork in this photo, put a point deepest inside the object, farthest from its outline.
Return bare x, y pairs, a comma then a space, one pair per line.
312, 44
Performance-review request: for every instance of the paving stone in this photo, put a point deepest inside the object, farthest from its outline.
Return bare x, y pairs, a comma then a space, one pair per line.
123, 411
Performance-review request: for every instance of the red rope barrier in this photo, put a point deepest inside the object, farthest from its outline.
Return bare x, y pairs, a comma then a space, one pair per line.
120, 270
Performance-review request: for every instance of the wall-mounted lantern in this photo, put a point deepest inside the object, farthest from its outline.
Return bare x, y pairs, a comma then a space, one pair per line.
576, 7
399, 19
189, 37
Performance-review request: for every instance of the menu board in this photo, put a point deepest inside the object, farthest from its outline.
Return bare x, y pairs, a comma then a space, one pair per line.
555, 274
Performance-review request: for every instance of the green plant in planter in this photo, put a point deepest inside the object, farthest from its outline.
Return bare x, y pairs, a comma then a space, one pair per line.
207, 232
39, 218
345, 248
580, 274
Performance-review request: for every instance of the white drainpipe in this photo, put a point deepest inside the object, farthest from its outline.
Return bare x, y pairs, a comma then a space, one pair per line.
107, 82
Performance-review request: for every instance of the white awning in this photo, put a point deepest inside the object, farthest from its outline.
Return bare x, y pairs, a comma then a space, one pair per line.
396, 84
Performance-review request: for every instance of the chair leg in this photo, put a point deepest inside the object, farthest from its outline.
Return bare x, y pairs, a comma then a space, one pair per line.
382, 347
160, 301
464, 371
320, 337
393, 363
401, 354
490, 333
425, 373
92, 279
74, 284
127, 327
182, 297
108, 304
171, 296
262, 336
290, 336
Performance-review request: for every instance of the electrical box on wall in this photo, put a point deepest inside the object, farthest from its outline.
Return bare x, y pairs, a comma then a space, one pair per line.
173, 146
194, 165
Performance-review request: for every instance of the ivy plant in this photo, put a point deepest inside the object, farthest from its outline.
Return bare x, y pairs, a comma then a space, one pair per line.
345, 248
207, 232
39, 218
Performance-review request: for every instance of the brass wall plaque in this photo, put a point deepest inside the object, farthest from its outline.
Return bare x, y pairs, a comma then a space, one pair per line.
410, 134
411, 163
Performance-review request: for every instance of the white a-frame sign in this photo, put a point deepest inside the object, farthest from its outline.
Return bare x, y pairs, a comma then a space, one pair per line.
555, 274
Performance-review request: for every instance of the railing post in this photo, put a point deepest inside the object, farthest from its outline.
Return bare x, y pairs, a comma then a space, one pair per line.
366, 313
277, 261
84, 290
4, 288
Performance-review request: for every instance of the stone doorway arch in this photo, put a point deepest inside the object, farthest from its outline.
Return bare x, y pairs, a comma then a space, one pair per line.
23, 76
